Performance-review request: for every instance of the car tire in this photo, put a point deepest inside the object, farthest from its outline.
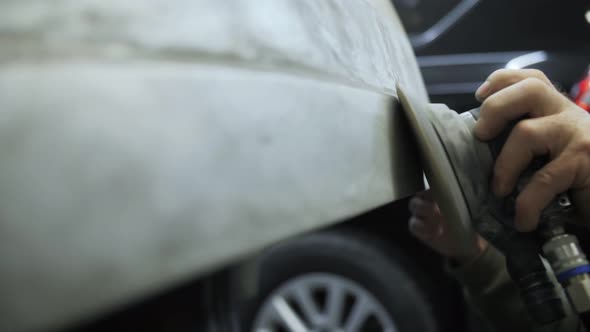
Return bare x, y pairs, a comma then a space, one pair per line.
357, 260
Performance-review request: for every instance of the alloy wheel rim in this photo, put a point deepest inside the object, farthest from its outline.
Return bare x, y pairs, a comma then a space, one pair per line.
322, 302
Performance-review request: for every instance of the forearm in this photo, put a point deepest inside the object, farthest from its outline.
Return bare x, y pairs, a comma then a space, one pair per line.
491, 291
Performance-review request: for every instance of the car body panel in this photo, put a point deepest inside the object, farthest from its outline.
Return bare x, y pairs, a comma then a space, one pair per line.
144, 145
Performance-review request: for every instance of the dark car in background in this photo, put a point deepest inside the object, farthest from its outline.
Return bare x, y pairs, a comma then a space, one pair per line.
458, 43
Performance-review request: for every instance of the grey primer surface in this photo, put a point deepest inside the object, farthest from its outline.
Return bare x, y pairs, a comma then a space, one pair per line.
143, 144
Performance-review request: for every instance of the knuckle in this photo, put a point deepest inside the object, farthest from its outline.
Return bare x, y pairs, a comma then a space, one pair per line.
526, 130
534, 86
539, 74
499, 74
491, 104
544, 177
504, 76
536, 72
583, 146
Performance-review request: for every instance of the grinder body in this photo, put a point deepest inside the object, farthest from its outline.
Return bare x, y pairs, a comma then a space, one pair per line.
492, 217
459, 168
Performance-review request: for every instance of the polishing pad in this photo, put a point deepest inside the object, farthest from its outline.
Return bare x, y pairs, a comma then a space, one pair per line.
441, 176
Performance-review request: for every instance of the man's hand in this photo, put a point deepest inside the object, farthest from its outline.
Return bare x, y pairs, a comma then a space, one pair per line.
428, 225
554, 126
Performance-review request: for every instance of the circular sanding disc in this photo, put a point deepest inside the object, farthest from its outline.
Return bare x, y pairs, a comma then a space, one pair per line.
438, 169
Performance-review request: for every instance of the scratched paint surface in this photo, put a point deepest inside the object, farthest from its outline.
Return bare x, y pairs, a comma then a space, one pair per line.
356, 40
144, 144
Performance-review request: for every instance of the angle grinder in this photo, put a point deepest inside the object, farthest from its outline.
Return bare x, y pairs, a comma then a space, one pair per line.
459, 168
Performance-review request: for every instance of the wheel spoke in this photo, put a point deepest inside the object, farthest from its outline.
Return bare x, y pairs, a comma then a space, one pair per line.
310, 308
335, 303
358, 314
287, 315
341, 305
